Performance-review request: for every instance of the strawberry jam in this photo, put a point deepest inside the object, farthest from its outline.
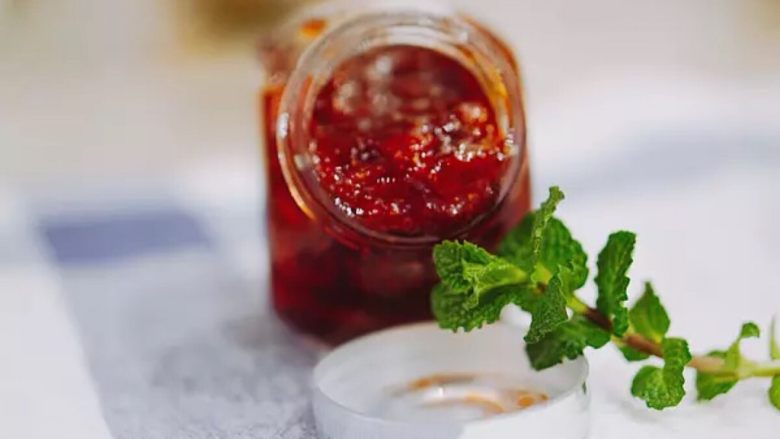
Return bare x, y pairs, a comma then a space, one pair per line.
405, 142
396, 148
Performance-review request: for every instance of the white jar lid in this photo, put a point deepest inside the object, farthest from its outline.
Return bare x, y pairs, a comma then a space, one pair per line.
421, 382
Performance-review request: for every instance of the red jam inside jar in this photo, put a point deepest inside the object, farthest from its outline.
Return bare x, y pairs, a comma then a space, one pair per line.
403, 143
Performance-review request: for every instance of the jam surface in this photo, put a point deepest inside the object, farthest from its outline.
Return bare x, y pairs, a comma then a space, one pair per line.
404, 141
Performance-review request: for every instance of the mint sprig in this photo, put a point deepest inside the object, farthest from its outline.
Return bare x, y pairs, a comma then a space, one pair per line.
540, 267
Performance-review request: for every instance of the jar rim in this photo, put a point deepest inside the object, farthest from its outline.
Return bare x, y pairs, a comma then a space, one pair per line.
429, 26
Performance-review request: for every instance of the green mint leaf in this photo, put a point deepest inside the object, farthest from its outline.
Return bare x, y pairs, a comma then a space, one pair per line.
651, 385
749, 330
648, 317
631, 354
733, 357
548, 310
516, 245
662, 388
475, 285
711, 385
469, 269
542, 218
449, 257
451, 312
774, 392
558, 249
708, 386
613, 263
568, 340
774, 353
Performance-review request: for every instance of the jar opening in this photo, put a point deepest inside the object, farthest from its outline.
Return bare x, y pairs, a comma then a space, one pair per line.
369, 34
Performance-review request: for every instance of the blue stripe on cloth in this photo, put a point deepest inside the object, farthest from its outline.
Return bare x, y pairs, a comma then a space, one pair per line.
118, 236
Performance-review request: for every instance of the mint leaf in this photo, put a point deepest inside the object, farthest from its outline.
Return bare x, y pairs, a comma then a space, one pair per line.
516, 245
470, 269
774, 392
613, 263
662, 388
449, 257
648, 317
733, 357
774, 347
451, 312
542, 218
568, 340
749, 330
475, 285
631, 354
774, 353
548, 310
708, 386
558, 249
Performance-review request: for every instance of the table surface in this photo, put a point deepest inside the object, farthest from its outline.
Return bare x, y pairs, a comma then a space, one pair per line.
127, 315
133, 300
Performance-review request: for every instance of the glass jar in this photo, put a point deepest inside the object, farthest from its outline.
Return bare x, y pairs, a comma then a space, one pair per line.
339, 268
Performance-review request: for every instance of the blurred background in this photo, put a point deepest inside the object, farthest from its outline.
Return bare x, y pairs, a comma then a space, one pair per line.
137, 119
122, 89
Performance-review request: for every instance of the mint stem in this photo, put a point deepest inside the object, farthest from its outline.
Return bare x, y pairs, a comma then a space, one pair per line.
766, 369
702, 363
